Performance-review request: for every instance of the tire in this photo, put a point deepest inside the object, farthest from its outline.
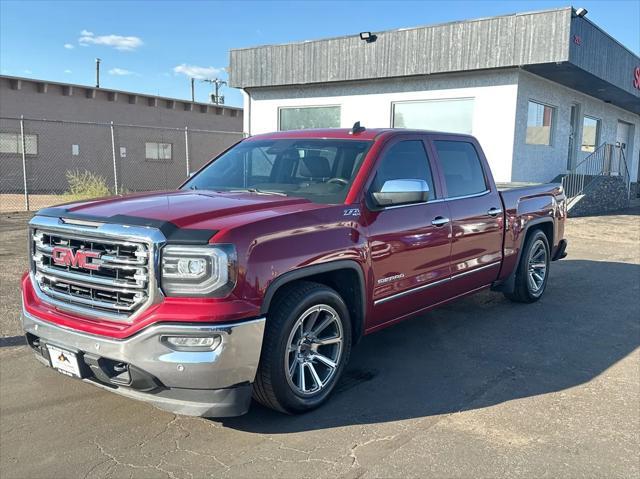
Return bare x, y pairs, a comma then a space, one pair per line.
282, 383
532, 274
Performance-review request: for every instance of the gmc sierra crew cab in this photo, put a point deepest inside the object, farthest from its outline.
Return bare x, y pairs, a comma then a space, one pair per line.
259, 274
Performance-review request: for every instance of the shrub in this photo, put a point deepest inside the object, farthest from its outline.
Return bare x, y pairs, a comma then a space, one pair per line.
85, 185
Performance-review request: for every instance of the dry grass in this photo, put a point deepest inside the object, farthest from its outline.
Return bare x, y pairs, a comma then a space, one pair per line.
11, 203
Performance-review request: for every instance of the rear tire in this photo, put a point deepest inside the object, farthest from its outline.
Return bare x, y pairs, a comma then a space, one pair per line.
306, 346
533, 269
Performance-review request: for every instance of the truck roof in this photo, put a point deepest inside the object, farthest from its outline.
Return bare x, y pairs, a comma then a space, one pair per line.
343, 133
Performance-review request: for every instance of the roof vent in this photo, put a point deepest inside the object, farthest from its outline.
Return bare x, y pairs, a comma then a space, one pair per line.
357, 128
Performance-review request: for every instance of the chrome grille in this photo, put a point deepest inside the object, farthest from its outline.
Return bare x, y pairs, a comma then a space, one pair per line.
114, 282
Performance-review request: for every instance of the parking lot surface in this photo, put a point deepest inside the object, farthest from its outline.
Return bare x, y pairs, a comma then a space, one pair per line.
479, 388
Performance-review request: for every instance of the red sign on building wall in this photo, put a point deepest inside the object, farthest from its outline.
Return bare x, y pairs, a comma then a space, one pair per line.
636, 78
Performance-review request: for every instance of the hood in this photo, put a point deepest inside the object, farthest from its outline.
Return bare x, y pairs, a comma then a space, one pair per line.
200, 209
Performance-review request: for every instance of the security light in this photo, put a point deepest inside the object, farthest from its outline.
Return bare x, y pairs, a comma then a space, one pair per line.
581, 12
368, 37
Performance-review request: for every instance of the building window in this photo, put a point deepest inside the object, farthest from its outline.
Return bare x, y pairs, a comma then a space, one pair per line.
540, 120
12, 143
453, 115
590, 134
294, 118
157, 151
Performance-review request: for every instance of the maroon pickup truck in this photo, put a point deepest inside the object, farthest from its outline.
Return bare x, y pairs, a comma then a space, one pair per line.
258, 275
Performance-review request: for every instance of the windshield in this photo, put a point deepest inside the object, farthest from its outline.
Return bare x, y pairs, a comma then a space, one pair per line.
320, 170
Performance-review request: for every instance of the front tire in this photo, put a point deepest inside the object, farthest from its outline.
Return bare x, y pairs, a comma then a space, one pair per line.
306, 347
533, 269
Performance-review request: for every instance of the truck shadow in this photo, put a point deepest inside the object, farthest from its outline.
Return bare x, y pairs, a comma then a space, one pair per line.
481, 351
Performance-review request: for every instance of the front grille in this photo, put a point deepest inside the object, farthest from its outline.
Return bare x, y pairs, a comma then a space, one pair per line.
106, 277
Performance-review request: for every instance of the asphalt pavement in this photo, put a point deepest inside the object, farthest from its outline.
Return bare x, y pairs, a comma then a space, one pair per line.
479, 388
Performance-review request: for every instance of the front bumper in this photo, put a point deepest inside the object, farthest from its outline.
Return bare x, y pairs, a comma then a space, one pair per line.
212, 383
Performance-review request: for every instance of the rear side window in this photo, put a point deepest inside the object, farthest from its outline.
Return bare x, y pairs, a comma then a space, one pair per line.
461, 167
406, 160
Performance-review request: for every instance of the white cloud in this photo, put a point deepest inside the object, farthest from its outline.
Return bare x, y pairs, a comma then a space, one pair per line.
68, 71
28, 72
69, 46
194, 71
118, 42
121, 72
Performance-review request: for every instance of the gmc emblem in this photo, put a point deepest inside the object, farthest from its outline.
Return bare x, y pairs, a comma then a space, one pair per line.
63, 256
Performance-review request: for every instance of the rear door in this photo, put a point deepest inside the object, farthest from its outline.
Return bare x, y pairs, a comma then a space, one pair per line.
477, 219
409, 244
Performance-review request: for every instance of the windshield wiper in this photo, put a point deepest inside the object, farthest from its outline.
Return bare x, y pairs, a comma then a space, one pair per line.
256, 190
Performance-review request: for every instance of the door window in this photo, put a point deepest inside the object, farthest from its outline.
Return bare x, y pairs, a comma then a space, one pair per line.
406, 160
590, 134
463, 173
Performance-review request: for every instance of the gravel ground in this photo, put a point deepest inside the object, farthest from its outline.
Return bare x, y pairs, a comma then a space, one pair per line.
479, 388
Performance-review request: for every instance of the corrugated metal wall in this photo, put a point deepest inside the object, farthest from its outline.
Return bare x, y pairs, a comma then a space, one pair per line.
498, 42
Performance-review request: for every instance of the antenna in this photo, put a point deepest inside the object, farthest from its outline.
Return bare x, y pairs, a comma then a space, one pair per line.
357, 128
216, 98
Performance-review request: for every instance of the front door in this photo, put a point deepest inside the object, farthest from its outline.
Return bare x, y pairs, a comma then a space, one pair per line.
477, 219
573, 125
409, 244
622, 145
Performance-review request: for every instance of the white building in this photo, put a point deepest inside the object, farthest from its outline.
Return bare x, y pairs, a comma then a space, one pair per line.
540, 91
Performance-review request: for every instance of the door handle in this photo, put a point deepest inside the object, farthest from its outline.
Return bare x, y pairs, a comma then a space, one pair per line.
439, 221
494, 212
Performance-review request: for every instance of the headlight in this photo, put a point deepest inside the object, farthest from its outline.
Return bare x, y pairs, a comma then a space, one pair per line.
198, 270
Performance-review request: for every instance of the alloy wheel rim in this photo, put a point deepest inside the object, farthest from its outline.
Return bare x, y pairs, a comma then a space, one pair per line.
537, 267
314, 349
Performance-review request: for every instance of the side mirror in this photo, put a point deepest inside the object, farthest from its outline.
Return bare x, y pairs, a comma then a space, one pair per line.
401, 192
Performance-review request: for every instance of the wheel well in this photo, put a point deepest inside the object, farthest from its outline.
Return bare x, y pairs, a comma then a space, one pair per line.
546, 228
346, 282
508, 284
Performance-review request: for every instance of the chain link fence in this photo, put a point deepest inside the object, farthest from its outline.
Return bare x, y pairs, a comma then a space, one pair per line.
47, 162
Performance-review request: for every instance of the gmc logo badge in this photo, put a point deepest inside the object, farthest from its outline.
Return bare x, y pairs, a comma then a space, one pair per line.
63, 256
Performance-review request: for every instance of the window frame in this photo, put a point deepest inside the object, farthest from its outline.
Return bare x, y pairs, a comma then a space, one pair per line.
18, 151
552, 128
598, 133
434, 196
433, 100
158, 159
299, 107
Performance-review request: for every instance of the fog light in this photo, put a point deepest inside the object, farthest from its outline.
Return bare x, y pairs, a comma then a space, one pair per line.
194, 342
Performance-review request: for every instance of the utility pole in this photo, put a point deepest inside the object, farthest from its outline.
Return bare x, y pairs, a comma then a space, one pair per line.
216, 98
98, 72
193, 90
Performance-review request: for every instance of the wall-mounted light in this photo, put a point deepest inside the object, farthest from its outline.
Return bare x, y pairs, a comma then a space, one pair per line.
368, 37
581, 12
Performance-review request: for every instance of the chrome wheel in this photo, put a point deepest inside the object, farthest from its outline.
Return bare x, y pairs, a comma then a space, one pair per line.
314, 350
537, 267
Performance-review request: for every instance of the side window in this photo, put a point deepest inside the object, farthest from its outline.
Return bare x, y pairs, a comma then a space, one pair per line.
461, 167
406, 160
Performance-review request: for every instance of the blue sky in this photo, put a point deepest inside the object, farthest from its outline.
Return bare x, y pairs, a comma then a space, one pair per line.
153, 47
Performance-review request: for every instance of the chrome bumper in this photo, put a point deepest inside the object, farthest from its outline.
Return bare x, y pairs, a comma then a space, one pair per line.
199, 383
